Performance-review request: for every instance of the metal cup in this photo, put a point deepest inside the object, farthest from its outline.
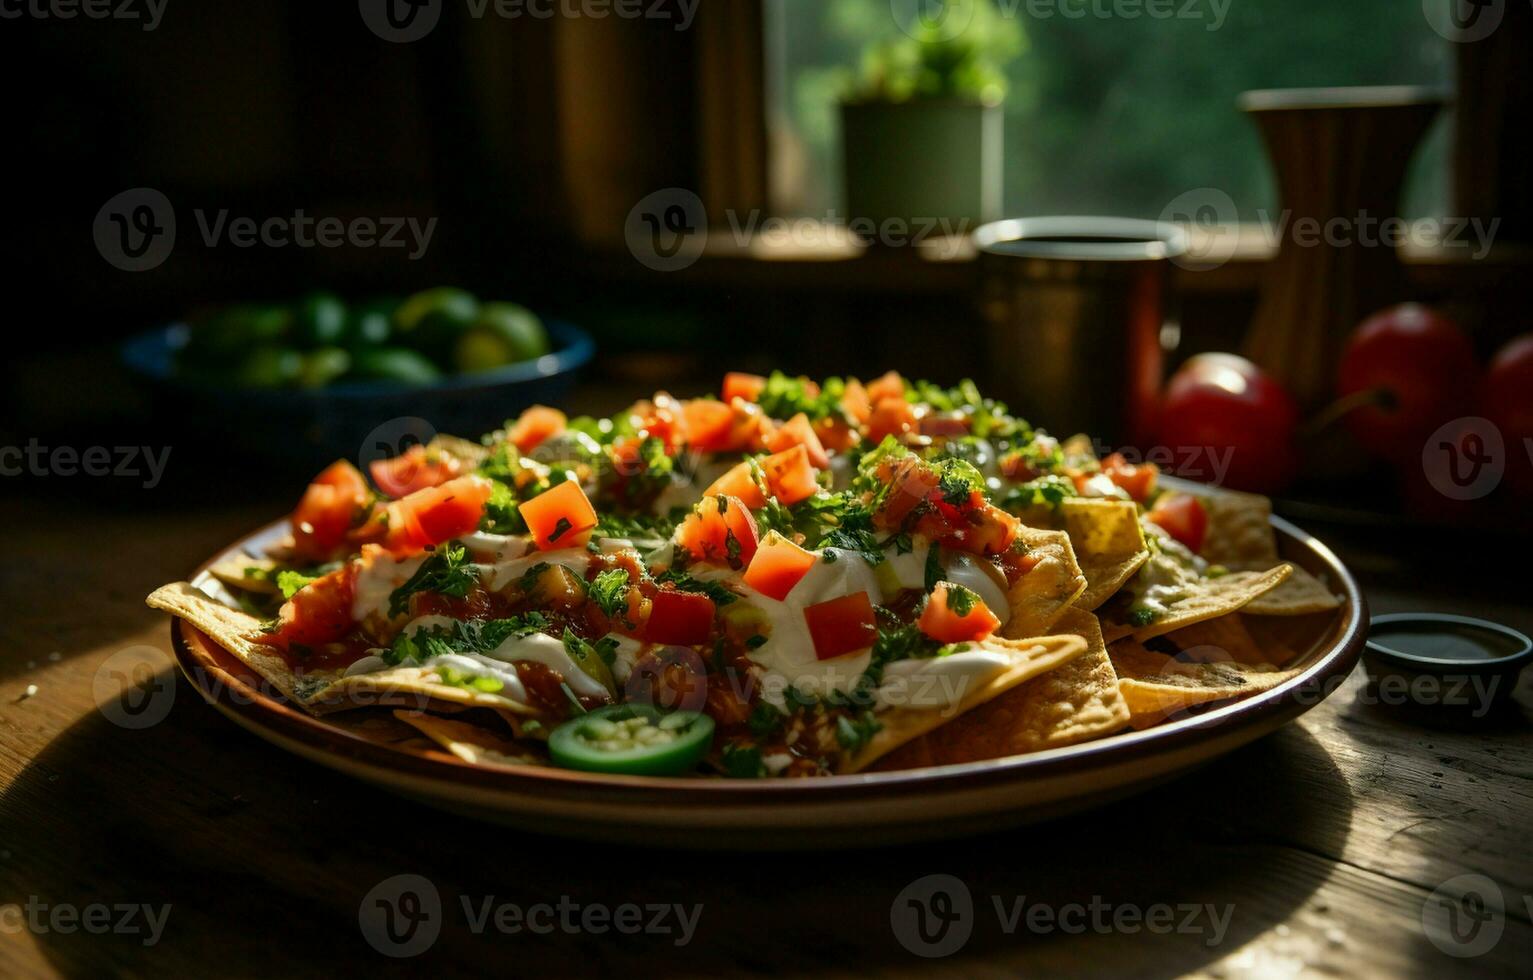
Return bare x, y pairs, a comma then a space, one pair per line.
1077, 317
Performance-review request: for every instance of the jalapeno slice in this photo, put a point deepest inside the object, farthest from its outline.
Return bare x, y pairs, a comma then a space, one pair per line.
632, 739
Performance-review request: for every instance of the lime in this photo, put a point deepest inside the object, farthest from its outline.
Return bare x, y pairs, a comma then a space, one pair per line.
228, 334
395, 364
503, 334
431, 321
270, 367
369, 324
319, 320
322, 366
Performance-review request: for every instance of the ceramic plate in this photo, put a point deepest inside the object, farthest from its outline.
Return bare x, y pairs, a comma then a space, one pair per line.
370, 744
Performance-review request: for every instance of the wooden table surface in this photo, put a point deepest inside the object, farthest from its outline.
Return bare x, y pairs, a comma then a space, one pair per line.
193, 846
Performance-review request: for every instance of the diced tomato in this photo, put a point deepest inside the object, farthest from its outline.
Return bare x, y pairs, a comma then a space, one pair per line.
720, 529
1138, 481
836, 434
910, 482
534, 426
891, 417
856, 401
778, 566
331, 505
738, 482
561, 517
990, 530
320, 612
437, 514
797, 431
790, 475
682, 618
412, 470
345, 477
738, 384
944, 426
891, 385
708, 423
661, 418
945, 624
842, 625
1183, 517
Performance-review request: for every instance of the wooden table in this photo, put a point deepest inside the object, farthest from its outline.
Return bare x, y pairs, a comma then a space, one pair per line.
1322, 843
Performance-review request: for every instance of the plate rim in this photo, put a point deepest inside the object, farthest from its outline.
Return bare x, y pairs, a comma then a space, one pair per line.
1317, 681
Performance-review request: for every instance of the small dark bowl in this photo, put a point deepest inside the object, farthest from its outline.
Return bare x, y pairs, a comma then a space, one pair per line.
309, 428
1473, 683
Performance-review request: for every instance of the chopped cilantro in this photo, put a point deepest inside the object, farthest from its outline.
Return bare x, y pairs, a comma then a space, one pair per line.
1051, 490
447, 571
743, 762
685, 582
854, 734
764, 720
1142, 616
934, 570
609, 591
289, 582
960, 599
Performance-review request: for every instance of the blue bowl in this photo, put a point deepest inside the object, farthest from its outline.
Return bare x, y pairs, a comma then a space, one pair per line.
350, 419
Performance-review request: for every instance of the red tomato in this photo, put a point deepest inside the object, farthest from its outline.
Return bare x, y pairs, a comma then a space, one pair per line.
836, 434
329, 508
682, 618
661, 418
1137, 481
891, 417
437, 514
790, 475
738, 482
910, 482
856, 401
738, 384
320, 612
411, 471
944, 426
1183, 517
708, 424
560, 517
891, 385
1509, 406
798, 432
1422, 363
534, 426
940, 621
1224, 420
720, 529
343, 476
842, 625
778, 566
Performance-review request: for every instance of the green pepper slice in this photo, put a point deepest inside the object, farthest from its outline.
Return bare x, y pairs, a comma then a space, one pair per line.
632, 740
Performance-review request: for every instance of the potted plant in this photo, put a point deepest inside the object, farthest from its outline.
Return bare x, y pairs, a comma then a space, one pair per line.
921, 126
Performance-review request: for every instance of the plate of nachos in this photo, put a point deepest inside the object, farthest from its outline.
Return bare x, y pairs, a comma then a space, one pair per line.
791, 613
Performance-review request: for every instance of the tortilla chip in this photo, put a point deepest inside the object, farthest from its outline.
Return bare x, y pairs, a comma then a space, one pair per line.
1155, 686
1240, 537
1223, 640
1045, 593
319, 691
1208, 599
1109, 543
1072, 703
251, 574
1029, 658
474, 745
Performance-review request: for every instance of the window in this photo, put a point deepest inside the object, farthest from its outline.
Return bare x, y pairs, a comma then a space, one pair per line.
1110, 113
